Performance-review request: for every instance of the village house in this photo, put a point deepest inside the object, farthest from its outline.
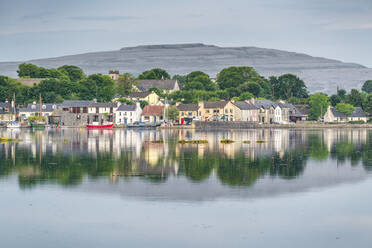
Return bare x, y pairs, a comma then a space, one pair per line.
7, 111
81, 112
187, 113
332, 115
153, 114
246, 111
216, 111
266, 110
150, 97
168, 85
33, 109
128, 114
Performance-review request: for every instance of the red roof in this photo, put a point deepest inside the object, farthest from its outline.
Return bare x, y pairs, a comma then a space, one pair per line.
153, 110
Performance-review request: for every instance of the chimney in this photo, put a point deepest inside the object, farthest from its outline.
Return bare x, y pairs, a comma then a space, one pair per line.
138, 104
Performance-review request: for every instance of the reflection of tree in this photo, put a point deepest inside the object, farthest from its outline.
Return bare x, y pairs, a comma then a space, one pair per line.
196, 168
235, 169
242, 171
317, 147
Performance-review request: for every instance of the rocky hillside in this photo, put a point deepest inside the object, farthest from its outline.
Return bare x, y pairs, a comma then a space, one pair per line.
320, 74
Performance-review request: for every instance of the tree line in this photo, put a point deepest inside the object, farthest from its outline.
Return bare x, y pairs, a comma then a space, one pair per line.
69, 82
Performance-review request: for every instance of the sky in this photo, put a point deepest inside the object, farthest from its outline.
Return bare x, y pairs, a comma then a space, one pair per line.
337, 29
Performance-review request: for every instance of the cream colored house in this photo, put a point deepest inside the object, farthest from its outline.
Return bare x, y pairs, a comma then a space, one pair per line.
216, 111
332, 115
245, 111
187, 112
150, 97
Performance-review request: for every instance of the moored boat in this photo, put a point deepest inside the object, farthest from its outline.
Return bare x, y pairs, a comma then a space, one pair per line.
13, 124
103, 125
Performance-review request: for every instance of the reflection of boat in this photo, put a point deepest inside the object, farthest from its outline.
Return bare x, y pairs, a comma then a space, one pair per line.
13, 124
38, 125
103, 125
142, 124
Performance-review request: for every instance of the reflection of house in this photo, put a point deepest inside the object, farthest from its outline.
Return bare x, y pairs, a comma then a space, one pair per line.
150, 97
33, 109
218, 110
187, 112
153, 114
166, 85
7, 111
332, 115
127, 114
245, 111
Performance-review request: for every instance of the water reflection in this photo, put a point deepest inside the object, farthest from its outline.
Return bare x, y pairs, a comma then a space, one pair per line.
69, 157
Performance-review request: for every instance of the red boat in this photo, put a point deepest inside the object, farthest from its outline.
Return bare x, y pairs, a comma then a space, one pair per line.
94, 125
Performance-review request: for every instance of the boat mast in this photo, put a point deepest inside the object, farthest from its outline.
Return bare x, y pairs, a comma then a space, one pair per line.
40, 107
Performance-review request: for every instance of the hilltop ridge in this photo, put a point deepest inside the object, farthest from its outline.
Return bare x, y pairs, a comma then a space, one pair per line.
320, 74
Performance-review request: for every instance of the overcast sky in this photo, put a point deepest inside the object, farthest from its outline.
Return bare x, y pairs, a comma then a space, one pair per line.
339, 29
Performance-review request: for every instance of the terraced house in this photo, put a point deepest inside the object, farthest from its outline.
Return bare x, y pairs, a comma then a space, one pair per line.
216, 111
150, 97
187, 113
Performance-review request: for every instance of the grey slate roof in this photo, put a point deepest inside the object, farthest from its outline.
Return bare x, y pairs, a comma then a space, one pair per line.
265, 104
139, 94
103, 105
215, 104
337, 114
76, 103
188, 107
358, 112
244, 105
145, 85
124, 107
46, 107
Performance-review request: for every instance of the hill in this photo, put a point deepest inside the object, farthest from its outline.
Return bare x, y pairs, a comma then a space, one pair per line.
320, 74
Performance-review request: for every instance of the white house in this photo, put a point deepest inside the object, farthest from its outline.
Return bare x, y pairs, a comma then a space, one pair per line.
128, 114
33, 109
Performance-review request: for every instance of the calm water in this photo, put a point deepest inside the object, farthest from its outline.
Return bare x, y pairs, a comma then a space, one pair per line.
79, 188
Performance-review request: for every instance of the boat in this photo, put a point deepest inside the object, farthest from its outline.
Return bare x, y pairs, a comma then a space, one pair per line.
13, 124
142, 125
98, 125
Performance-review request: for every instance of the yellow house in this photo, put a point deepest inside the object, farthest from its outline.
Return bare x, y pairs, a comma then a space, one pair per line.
151, 97
187, 112
216, 111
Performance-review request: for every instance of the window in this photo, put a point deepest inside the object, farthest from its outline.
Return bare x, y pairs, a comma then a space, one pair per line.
119, 113
125, 113
207, 111
230, 110
190, 113
226, 111
131, 113
182, 114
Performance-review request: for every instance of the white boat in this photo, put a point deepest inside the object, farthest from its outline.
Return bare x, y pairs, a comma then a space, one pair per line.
13, 124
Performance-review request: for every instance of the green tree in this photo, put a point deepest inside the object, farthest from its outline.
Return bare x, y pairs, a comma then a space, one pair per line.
318, 105
182, 79
125, 84
155, 73
172, 113
367, 104
335, 99
233, 77
28, 70
74, 73
341, 93
345, 108
287, 86
98, 86
367, 86
246, 96
251, 87
355, 98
